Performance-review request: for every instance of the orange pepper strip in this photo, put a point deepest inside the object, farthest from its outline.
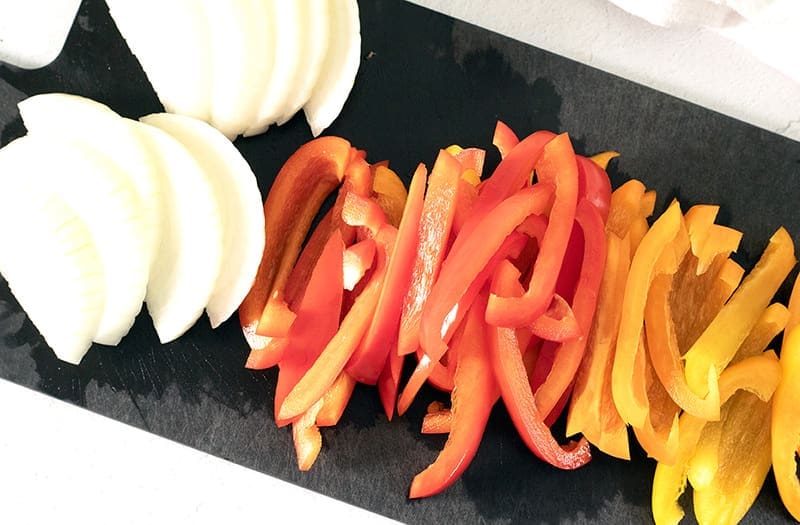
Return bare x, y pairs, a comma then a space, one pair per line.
602, 159
786, 419
504, 139
306, 436
759, 375
300, 187
627, 386
335, 400
714, 349
794, 311
592, 411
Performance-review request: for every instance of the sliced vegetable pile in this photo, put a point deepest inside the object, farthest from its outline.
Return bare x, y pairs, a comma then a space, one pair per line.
243, 65
539, 287
108, 212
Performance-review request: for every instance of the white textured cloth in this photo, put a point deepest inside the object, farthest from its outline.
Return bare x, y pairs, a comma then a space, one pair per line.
769, 29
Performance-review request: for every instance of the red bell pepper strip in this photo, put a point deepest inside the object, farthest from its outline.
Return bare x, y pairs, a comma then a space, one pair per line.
440, 376
465, 198
369, 358
511, 247
317, 319
300, 187
358, 260
437, 420
327, 367
467, 258
512, 378
389, 382
504, 139
594, 185
569, 356
435, 223
557, 166
389, 191
473, 397
471, 159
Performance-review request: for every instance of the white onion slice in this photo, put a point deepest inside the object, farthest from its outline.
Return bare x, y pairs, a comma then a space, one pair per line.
240, 36
171, 40
100, 128
105, 199
52, 267
340, 67
240, 204
288, 43
188, 260
314, 16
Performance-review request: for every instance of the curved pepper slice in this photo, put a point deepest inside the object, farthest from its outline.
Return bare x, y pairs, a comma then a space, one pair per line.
504, 139
473, 397
390, 193
771, 323
467, 258
569, 356
717, 345
627, 386
516, 392
594, 185
300, 187
306, 437
786, 421
557, 166
759, 375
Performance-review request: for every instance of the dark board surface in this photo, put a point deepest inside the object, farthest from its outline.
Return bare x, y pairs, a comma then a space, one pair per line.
425, 82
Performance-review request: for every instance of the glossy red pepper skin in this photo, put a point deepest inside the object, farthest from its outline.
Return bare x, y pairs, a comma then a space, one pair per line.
568, 358
369, 359
512, 378
435, 224
427, 365
504, 139
302, 184
473, 397
557, 166
469, 257
317, 320
594, 186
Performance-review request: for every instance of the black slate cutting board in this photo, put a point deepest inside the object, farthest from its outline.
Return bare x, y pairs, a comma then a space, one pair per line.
426, 81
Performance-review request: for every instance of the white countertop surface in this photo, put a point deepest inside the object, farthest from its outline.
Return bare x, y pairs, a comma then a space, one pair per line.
41, 453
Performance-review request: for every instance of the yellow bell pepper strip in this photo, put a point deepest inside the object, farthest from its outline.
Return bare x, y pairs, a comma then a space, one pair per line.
510, 248
512, 378
306, 437
335, 400
717, 345
333, 358
317, 319
771, 323
390, 193
786, 419
557, 166
742, 462
469, 257
794, 310
569, 355
435, 225
504, 139
704, 464
627, 387
300, 187
759, 375
369, 358
472, 399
